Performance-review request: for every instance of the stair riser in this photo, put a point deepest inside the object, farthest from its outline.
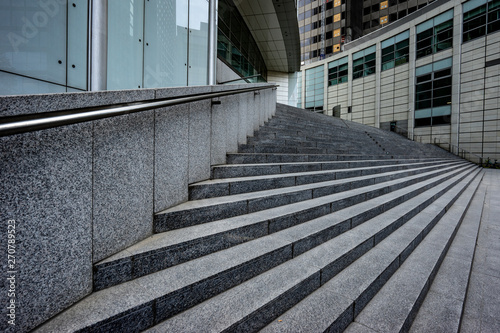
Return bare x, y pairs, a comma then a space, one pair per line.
290, 158
183, 299
202, 191
221, 172
303, 142
148, 263
271, 311
364, 298
179, 219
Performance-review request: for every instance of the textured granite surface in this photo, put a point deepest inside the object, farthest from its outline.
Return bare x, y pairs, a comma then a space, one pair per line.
243, 118
123, 182
199, 140
231, 106
171, 156
218, 133
28, 104
46, 187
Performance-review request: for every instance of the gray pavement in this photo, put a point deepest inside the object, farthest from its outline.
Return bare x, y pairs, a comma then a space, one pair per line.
482, 304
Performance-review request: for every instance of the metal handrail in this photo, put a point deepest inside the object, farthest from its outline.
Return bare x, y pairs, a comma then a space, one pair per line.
409, 134
465, 154
241, 78
33, 122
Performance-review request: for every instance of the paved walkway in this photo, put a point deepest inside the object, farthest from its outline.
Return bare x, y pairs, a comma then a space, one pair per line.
482, 304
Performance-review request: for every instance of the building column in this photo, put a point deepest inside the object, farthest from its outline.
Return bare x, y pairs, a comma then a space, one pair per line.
212, 42
98, 64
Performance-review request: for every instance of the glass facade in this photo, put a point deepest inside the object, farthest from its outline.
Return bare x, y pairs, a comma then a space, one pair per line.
433, 93
299, 89
363, 62
151, 43
157, 43
314, 88
435, 34
338, 71
396, 50
43, 46
235, 44
481, 17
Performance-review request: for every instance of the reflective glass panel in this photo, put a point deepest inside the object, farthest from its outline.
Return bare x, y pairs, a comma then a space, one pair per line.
165, 51
198, 43
125, 40
33, 39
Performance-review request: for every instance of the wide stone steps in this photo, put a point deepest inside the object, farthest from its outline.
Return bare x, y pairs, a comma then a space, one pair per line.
229, 186
443, 306
211, 209
255, 303
335, 305
397, 303
161, 295
292, 236
247, 169
177, 246
254, 158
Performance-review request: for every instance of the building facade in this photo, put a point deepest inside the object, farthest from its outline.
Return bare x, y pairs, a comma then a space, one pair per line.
55, 46
433, 75
326, 25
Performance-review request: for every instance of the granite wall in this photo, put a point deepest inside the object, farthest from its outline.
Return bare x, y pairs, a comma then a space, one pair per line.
80, 193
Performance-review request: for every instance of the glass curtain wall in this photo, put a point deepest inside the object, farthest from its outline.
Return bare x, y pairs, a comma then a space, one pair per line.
481, 17
299, 89
315, 88
363, 62
157, 43
43, 46
435, 34
235, 45
396, 50
433, 93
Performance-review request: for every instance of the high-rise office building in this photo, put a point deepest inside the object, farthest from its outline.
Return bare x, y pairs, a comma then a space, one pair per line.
326, 25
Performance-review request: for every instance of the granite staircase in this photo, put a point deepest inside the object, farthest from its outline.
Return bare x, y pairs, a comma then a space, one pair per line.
317, 224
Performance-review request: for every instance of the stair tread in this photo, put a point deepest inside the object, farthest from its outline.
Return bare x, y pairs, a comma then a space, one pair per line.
235, 305
443, 305
262, 194
180, 236
394, 304
350, 288
155, 285
297, 174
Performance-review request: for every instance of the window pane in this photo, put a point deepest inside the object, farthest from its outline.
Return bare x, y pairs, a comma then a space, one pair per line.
423, 104
444, 72
388, 50
388, 65
422, 122
445, 82
442, 92
441, 101
423, 96
424, 87
424, 34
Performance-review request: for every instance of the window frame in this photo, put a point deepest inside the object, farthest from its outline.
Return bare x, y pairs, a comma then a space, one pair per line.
428, 42
390, 48
428, 84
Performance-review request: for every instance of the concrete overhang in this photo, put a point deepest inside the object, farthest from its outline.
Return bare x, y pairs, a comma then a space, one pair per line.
275, 28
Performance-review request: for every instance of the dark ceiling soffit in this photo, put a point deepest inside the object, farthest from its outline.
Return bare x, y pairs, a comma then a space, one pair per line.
287, 16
